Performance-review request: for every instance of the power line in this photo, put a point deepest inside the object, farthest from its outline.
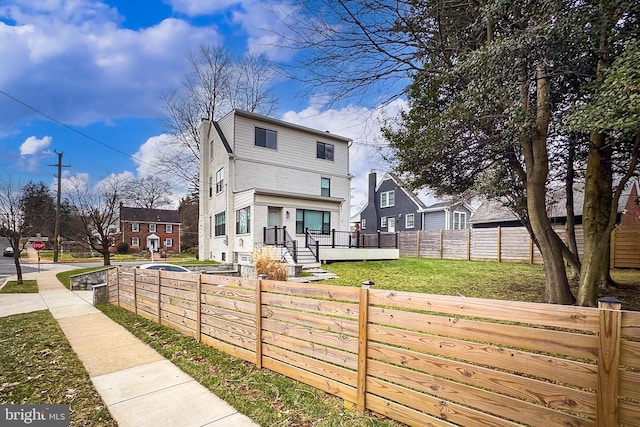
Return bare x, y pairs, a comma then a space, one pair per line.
71, 128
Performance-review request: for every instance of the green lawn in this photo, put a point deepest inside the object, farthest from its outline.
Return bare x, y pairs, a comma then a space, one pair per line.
39, 367
27, 287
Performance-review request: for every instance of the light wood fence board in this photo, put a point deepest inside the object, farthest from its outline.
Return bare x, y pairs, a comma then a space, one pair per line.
480, 399
310, 364
408, 244
229, 327
190, 305
187, 314
543, 393
315, 306
543, 340
229, 315
630, 324
484, 244
454, 245
429, 244
230, 304
235, 351
149, 316
568, 317
548, 367
434, 406
145, 293
234, 282
514, 244
328, 354
181, 323
331, 292
336, 388
630, 354
332, 324
316, 336
629, 385
179, 293
233, 339
228, 292
628, 414
403, 414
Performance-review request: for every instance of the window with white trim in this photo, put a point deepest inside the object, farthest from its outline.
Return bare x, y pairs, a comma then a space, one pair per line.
135, 241
168, 228
459, 220
363, 224
325, 187
387, 199
409, 220
168, 243
135, 227
221, 224
152, 228
383, 222
243, 220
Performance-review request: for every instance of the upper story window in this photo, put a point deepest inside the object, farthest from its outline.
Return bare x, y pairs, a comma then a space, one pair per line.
324, 151
152, 228
135, 227
387, 199
168, 228
459, 220
409, 221
363, 224
266, 138
219, 180
325, 187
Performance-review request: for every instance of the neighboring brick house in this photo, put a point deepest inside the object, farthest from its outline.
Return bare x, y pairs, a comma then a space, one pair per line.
147, 229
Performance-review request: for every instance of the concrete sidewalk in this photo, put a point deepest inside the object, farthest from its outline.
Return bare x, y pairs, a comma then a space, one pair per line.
138, 385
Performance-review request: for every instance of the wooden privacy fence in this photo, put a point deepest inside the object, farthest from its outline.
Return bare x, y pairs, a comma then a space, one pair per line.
508, 244
420, 359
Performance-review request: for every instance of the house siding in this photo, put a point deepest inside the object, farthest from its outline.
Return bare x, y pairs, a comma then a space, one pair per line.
434, 221
286, 178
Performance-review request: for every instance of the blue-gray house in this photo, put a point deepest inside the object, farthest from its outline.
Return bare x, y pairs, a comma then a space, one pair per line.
392, 207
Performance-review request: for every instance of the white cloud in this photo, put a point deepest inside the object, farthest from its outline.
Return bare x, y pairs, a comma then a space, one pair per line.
33, 145
201, 7
83, 66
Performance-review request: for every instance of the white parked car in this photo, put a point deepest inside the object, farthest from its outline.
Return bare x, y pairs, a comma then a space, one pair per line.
165, 267
8, 251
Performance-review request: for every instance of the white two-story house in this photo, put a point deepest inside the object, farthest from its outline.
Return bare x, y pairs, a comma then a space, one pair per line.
257, 173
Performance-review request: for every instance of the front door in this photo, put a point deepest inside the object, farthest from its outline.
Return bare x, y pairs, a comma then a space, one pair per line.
273, 219
391, 224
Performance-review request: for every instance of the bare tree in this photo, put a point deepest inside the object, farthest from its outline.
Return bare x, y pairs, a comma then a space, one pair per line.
12, 221
149, 192
217, 83
98, 212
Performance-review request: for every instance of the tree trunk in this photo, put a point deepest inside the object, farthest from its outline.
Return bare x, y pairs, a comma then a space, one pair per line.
557, 289
571, 219
16, 261
106, 256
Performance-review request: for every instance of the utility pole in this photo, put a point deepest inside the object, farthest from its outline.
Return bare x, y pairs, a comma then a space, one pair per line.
56, 237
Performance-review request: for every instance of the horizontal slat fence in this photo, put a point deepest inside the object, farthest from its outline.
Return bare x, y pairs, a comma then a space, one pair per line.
420, 359
508, 244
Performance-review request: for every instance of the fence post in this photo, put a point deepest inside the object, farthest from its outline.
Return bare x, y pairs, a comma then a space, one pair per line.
199, 308
363, 337
608, 361
261, 277
530, 250
333, 238
499, 244
135, 292
159, 317
118, 287
379, 239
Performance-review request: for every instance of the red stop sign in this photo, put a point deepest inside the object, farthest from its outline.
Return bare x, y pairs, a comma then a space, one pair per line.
38, 246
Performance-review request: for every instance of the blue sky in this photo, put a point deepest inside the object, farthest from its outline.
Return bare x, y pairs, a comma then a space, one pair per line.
102, 67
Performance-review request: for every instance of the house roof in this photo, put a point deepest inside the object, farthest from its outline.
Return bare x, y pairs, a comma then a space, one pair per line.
493, 210
290, 125
167, 216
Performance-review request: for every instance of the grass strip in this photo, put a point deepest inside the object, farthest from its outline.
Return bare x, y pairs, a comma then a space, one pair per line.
27, 287
39, 367
268, 398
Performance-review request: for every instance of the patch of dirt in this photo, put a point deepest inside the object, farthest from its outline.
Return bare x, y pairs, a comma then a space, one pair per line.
629, 294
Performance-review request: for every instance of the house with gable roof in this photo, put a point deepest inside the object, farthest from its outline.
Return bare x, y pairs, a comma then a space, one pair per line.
392, 207
149, 229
